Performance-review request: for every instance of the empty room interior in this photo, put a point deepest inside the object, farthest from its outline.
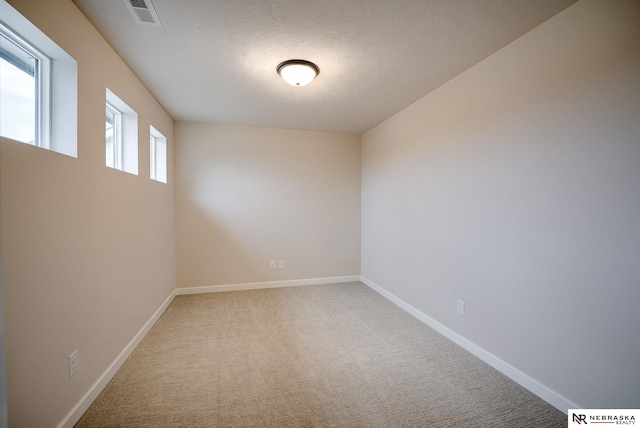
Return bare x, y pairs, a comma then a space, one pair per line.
445, 218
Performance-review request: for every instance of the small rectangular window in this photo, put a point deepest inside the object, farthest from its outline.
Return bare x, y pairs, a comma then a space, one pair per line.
121, 135
24, 90
38, 86
152, 151
158, 155
113, 125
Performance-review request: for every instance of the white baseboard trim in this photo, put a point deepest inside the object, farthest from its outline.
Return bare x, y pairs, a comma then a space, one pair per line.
261, 285
548, 395
516, 375
76, 413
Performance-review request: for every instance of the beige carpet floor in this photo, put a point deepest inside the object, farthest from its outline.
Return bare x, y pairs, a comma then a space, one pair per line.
335, 355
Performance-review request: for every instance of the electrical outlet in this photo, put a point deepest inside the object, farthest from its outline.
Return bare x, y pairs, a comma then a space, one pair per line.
460, 308
272, 264
73, 363
281, 264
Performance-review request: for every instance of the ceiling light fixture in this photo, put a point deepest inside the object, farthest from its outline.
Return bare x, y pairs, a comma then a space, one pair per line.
297, 72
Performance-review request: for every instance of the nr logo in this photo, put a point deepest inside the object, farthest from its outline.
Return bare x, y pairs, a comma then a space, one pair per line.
580, 419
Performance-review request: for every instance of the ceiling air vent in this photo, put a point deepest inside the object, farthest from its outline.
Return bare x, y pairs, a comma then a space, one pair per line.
143, 12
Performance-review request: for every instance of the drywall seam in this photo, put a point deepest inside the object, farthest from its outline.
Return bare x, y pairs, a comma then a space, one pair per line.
76, 413
548, 395
270, 284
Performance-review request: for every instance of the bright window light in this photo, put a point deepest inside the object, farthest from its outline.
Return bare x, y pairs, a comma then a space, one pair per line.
121, 135
38, 86
113, 135
24, 83
158, 155
152, 156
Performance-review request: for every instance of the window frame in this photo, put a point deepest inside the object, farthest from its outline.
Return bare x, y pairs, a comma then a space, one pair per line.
61, 121
127, 147
152, 156
42, 80
117, 137
157, 155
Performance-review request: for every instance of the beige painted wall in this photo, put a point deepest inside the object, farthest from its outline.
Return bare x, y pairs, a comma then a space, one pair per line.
248, 195
513, 187
87, 251
516, 187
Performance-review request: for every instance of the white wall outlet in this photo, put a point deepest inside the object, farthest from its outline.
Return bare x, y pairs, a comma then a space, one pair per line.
272, 264
281, 264
73, 363
460, 308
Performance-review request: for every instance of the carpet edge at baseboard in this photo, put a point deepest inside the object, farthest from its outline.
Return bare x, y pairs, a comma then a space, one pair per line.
556, 400
78, 410
263, 285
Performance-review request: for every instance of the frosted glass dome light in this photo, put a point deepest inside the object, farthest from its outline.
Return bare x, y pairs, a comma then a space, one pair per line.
297, 72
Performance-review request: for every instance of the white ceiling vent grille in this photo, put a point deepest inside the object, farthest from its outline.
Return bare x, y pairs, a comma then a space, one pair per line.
143, 12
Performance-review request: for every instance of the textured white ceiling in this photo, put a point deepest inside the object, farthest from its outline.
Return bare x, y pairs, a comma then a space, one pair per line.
215, 60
